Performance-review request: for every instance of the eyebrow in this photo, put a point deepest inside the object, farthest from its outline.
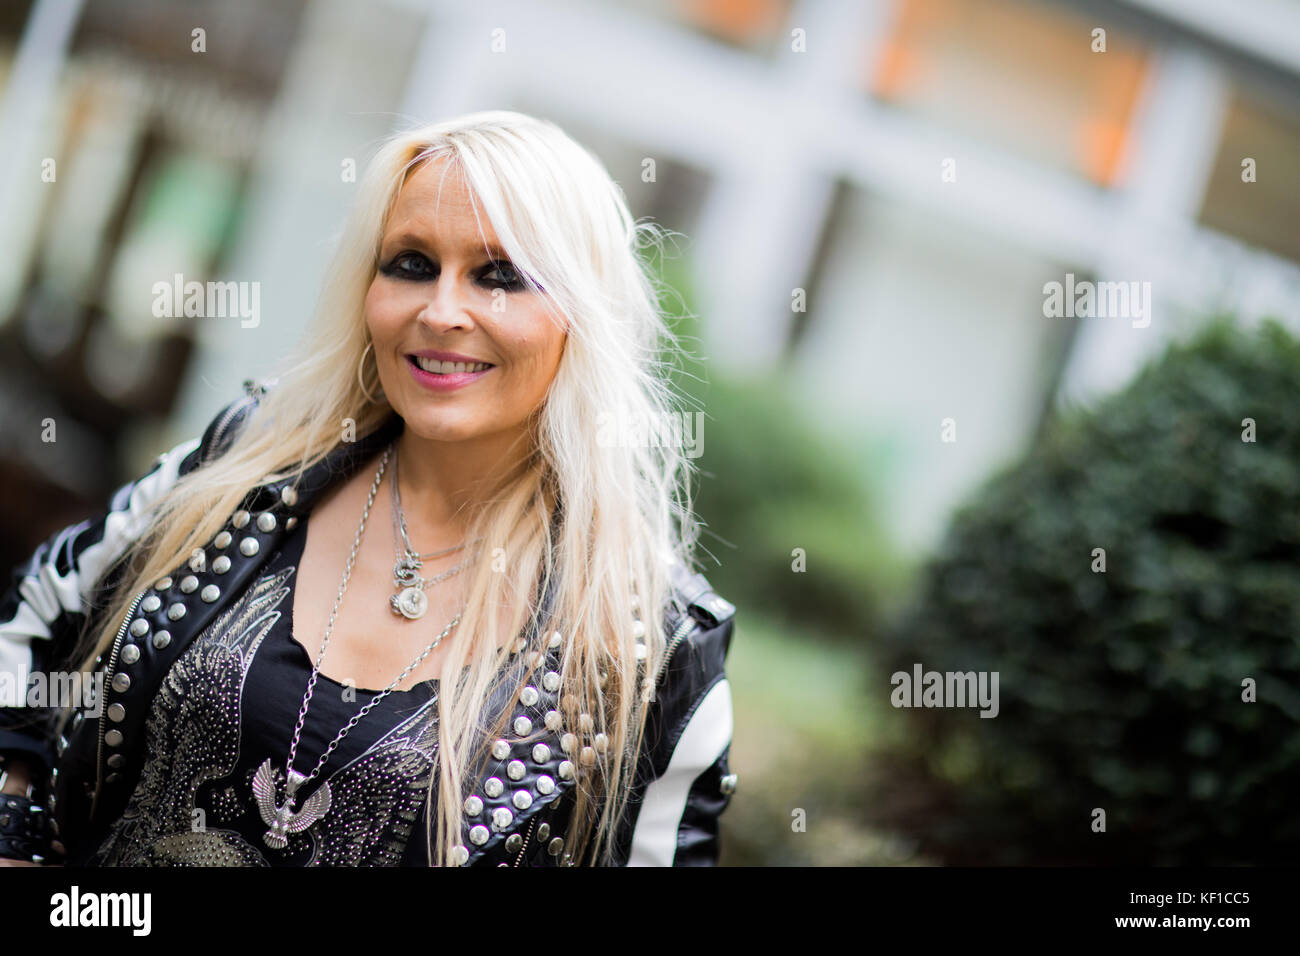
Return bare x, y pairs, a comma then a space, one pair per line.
408, 238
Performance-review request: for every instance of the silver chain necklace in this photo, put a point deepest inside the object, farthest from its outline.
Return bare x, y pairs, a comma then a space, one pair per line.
411, 602
280, 817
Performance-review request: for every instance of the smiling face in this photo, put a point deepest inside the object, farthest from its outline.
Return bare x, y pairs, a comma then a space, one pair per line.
439, 294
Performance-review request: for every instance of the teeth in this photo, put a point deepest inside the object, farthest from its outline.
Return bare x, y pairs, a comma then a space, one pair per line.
447, 368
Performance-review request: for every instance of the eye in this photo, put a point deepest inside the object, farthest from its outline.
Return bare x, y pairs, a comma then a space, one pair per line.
395, 266
512, 280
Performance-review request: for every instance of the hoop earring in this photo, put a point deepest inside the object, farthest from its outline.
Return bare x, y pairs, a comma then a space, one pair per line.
361, 378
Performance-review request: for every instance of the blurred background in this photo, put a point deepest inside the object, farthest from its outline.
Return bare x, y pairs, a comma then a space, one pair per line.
906, 460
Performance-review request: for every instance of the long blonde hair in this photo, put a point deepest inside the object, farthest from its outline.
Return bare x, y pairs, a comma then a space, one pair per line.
625, 509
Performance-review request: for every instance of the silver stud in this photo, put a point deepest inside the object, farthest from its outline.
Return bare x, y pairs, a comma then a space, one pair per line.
121, 682
519, 646
117, 760
478, 835
61, 746
76, 721
601, 742
545, 785
139, 627
240, 518
210, 593
222, 540
116, 713
502, 818
162, 639
585, 723
638, 629
588, 756
541, 753
728, 783
248, 547
556, 640
113, 778
566, 769
473, 806
113, 738
553, 720
289, 526
640, 651
289, 496
551, 681
493, 786
522, 799
555, 847
199, 561
150, 604
266, 522
221, 565
130, 654
459, 854
528, 696
501, 749
189, 584
568, 742
516, 770
523, 726
514, 843
176, 611
635, 601
163, 585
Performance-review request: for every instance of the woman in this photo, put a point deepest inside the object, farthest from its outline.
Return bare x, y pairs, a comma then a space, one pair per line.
407, 603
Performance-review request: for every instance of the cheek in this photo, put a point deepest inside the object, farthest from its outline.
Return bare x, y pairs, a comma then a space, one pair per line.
379, 309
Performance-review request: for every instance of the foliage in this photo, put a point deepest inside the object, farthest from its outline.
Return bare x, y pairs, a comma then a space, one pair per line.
1123, 689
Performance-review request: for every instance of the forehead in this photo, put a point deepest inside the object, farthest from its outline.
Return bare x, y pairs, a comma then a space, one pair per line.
435, 200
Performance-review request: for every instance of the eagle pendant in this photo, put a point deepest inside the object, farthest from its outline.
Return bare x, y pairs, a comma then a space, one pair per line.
279, 817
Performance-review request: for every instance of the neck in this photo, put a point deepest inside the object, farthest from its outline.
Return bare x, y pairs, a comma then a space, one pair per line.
443, 484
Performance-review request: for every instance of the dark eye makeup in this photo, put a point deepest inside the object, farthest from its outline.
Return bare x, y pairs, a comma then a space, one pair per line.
407, 265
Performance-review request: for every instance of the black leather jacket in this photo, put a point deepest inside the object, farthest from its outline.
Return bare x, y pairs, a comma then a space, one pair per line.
524, 797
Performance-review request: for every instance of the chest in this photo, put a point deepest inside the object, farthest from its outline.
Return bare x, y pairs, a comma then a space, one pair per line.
370, 644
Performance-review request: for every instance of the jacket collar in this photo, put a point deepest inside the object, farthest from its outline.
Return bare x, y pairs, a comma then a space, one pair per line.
300, 495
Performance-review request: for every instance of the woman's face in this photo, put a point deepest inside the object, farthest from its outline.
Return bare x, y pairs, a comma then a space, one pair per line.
438, 290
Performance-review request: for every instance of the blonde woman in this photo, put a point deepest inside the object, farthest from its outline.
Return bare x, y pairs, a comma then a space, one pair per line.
404, 603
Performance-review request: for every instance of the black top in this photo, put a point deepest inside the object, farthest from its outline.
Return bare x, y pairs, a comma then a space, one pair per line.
228, 705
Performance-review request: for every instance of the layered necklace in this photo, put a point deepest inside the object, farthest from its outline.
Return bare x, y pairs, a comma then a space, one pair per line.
410, 601
280, 815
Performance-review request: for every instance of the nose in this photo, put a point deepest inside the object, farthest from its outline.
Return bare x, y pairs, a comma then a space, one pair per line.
448, 305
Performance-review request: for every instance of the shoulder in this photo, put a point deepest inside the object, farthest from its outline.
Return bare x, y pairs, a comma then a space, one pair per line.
220, 432
692, 688
698, 619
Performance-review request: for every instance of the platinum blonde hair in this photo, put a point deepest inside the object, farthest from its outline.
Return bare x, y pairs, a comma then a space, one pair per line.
624, 512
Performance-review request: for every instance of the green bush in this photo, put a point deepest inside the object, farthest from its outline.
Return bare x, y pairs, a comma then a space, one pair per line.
1122, 690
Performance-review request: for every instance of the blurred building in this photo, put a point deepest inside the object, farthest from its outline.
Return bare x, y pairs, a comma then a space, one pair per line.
875, 193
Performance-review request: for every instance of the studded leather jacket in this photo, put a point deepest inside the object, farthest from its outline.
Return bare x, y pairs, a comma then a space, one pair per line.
518, 812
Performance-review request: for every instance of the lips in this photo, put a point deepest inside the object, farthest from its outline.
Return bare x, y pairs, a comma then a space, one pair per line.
449, 380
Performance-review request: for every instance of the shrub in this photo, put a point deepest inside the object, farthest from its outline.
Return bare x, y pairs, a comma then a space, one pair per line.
1123, 690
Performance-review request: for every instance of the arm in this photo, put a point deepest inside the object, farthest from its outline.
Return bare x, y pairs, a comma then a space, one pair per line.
47, 599
687, 783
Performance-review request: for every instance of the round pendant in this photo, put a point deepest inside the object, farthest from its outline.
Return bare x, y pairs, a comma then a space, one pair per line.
411, 603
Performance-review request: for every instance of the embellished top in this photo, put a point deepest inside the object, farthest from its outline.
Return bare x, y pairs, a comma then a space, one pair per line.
230, 703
